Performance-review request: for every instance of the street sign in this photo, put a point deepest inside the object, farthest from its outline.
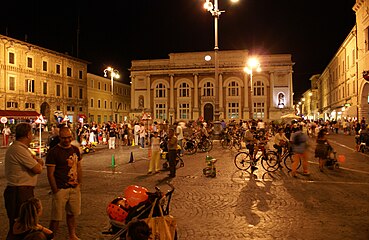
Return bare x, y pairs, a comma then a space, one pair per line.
4, 120
40, 120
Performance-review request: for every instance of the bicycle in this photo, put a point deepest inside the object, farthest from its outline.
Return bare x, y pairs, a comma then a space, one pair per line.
232, 142
245, 160
286, 157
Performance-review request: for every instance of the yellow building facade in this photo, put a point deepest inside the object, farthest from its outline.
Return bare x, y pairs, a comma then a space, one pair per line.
35, 78
105, 105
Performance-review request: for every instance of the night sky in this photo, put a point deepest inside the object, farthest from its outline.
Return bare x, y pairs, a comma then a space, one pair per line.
112, 33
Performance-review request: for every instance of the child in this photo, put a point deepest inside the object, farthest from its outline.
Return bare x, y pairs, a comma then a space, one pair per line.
27, 223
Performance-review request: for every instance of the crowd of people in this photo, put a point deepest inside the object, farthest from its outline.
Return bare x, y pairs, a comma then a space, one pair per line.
64, 171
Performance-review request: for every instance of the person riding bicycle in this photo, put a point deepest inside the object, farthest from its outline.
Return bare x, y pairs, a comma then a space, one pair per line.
280, 141
251, 141
204, 132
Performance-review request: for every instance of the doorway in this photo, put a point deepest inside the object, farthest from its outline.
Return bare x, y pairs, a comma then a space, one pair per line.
208, 112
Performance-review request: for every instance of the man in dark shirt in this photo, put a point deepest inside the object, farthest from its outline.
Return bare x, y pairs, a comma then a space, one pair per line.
172, 152
64, 173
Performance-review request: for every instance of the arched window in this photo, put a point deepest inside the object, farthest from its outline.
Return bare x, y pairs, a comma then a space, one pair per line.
259, 88
233, 89
160, 91
208, 89
184, 90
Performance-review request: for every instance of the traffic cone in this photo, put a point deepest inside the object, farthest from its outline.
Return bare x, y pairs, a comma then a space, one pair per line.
112, 160
131, 160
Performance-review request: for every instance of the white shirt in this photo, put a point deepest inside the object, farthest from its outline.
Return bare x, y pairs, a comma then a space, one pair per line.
179, 131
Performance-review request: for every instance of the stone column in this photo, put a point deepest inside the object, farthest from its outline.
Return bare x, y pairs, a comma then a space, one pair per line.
271, 85
290, 104
196, 91
246, 114
133, 97
195, 111
221, 110
171, 106
148, 91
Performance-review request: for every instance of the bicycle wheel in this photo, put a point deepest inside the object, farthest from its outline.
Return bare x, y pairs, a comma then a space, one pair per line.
190, 148
288, 160
225, 143
237, 145
270, 162
242, 160
207, 146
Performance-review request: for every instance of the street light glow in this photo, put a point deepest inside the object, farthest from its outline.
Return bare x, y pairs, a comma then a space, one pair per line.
253, 62
113, 74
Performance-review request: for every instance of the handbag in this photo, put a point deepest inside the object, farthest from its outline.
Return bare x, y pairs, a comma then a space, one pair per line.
162, 227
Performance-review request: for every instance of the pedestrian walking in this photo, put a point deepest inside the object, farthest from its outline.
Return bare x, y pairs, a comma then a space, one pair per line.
27, 224
172, 152
112, 135
21, 173
64, 173
155, 154
299, 148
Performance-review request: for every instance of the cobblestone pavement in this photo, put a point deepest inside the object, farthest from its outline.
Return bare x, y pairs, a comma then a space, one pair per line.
234, 205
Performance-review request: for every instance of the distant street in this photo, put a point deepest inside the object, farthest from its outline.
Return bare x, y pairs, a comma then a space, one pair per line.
330, 205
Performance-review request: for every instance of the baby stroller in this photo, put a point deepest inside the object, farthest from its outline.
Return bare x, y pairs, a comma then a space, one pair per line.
164, 155
331, 162
121, 211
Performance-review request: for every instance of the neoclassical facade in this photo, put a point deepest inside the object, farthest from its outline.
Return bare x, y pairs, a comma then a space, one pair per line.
39, 79
105, 105
183, 88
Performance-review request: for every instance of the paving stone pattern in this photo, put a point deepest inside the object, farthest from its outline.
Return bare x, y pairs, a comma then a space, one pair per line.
235, 204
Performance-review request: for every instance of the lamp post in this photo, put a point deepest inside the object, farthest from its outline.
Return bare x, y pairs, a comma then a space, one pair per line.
215, 12
113, 74
252, 64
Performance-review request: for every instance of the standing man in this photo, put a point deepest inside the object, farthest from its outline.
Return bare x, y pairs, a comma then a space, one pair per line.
64, 173
21, 171
179, 134
6, 134
142, 133
112, 135
136, 133
172, 152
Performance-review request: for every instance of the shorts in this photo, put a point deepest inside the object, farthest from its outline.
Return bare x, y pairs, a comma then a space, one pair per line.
66, 199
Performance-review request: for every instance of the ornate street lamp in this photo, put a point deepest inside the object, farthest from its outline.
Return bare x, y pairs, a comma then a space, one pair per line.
113, 74
215, 12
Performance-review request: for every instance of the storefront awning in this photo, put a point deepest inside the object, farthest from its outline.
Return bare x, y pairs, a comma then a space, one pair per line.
14, 114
